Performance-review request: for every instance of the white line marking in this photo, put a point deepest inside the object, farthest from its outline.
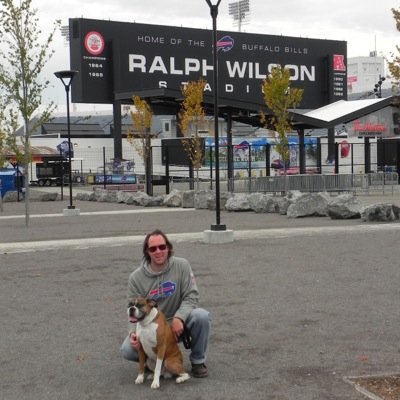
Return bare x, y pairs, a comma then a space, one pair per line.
87, 243
141, 211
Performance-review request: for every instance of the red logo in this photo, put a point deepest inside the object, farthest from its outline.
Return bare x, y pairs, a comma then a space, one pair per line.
338, 62
94, 43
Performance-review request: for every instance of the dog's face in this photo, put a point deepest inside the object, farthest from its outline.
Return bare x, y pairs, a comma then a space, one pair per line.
138, 308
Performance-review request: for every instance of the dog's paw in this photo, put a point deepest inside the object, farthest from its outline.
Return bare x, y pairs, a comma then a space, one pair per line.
155, 384
139, 379
182, 378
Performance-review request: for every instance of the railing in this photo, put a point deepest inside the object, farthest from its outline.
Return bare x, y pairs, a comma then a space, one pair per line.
321, 183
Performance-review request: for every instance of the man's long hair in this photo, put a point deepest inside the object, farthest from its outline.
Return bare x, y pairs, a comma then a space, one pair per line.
156, 232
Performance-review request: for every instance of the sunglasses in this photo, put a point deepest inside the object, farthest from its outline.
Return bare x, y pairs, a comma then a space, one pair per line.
161, 247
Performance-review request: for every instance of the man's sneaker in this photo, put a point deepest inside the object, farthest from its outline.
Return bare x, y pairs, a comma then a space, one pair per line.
199, 371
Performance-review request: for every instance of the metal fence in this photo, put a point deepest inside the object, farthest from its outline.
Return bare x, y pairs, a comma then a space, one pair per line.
380, 181
253, 168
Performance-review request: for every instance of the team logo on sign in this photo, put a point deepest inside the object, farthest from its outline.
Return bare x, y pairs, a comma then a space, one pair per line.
225, 44
94, 43
338, 62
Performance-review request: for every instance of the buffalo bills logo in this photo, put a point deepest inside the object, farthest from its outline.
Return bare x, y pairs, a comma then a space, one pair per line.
225, 44
165, 290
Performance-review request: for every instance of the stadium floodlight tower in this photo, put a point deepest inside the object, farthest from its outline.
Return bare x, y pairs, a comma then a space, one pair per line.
239, 10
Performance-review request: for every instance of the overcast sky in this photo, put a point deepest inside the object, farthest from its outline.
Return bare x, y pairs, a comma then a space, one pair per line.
365, 25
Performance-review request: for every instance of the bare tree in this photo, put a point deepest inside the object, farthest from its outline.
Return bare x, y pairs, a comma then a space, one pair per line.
23, 54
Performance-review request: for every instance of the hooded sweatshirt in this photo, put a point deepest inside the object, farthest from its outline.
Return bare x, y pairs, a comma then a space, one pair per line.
174, 289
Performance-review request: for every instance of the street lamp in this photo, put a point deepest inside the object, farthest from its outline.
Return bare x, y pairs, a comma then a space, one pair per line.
66, 78
378, 86
214, 12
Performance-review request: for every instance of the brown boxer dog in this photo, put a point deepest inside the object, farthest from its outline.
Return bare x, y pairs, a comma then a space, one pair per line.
157, 341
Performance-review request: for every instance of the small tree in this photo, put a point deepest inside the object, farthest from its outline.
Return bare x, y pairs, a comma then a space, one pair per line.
142, 121
23, 55
192, 117
280, 98
394, 64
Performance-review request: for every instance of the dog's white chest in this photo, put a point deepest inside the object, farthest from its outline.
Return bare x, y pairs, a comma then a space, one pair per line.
148, 338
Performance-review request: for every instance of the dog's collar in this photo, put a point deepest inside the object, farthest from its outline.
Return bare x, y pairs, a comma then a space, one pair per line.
149, 318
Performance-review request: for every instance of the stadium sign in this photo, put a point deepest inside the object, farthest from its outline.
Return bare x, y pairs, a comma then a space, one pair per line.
119, 57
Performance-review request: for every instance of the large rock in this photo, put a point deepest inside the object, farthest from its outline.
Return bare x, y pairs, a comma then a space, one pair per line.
98, 195
121, 196
289, 199
137, 198
50, 196
238, 202
382, 212
174, 199
223, 198
202, 199
83, 196
345, 206
263, 203
11, 196
108, 196
188, 199
309, 204
154, 201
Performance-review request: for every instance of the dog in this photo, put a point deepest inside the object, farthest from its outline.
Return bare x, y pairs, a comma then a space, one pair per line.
157, 341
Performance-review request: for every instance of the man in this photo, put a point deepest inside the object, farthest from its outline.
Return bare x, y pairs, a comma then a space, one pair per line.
170, 281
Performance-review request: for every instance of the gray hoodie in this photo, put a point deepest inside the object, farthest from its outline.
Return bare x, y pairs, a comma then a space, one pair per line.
174, 289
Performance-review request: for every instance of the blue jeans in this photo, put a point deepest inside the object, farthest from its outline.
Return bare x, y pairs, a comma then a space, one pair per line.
199, 326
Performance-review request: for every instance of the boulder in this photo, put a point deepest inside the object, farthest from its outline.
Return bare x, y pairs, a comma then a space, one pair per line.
51, 196
107, 196
381, 212
309, 204
263, 203
174, 199
154, 201
188, 199
289, 199
238, 202
202, 198
137, 198
223, 198
83, 196
11, 196
345, 206
121, 196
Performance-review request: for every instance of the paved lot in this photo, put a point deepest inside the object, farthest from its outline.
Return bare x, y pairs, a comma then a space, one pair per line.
297, 304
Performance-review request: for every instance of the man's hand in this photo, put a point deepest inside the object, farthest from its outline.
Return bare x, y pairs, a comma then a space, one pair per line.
134, 341
177, 327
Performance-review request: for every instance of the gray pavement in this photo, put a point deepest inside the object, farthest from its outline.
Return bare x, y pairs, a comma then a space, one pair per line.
297, 304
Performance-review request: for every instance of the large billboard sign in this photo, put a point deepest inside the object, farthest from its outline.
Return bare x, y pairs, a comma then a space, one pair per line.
118, 57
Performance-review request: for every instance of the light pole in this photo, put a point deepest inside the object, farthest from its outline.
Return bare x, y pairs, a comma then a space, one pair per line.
378, 86
66, 78
214, 12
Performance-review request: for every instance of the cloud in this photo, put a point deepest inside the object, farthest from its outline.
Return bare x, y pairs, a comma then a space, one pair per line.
366, 25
